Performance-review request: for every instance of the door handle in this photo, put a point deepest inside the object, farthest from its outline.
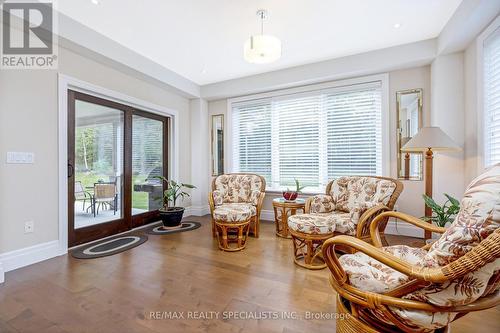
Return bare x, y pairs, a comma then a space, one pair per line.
71, 170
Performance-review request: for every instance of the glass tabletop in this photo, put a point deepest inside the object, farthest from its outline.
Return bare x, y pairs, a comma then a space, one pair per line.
297, 201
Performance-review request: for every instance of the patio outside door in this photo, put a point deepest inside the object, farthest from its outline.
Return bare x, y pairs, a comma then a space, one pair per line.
114, 154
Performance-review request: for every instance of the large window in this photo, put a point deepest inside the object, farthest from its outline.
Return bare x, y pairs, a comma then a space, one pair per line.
491, 76
313, 136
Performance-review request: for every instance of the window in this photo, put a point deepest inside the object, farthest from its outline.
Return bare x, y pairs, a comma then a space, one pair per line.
491, 72
313, 136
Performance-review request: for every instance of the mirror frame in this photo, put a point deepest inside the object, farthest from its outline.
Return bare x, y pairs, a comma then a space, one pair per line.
419, 92
212, 142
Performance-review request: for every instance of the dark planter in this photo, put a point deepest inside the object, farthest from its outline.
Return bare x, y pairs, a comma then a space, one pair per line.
171, 216
290, 195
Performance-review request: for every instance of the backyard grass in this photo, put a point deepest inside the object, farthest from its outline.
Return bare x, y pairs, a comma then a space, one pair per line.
139, 199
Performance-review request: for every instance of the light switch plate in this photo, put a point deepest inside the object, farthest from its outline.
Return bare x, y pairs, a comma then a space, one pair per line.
14, 157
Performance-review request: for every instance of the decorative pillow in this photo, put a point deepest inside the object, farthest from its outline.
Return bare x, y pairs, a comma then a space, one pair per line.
254, 197
478, 217
238, 188
218, 199
347, 192
322, 203
358, 210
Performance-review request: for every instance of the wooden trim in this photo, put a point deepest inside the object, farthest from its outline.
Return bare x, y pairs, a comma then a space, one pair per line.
127, 220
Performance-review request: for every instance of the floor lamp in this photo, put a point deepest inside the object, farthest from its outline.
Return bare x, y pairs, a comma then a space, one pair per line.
430, 140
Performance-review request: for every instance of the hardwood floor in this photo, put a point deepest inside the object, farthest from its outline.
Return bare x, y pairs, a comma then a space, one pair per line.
179, 273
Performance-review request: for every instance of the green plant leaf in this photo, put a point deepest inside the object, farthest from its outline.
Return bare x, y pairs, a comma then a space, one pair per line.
453, 201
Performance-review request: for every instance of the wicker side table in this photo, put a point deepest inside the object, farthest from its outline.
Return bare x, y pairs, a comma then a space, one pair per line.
282, 210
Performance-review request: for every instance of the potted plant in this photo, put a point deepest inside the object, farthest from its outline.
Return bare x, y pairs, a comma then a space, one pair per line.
171, 216
292, 195
442, 215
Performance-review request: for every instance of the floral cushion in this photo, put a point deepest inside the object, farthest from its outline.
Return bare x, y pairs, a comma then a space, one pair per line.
234, 212
238, 188
369, 274
347, 192
479, 216
344, 223
322, 203
316, 224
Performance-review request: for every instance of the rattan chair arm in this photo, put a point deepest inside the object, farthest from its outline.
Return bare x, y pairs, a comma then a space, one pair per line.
211, 203
260, 202
420, 273
363, 226
374, 232
483, 253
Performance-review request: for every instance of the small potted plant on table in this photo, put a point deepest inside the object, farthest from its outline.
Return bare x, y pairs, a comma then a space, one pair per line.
292, 195
171, 216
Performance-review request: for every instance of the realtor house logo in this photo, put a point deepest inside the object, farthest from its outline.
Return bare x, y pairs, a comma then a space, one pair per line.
28, 36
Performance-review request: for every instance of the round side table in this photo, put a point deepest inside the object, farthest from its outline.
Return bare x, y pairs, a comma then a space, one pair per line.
282, 210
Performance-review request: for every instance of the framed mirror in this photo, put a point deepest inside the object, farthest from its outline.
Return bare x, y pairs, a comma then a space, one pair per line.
409, 121
217, 144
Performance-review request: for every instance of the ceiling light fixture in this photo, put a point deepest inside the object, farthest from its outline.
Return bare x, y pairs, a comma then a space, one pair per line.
397, 25
95, 2
262, 49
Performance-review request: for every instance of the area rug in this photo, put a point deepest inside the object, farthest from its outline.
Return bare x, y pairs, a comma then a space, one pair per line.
157, 229
108, 247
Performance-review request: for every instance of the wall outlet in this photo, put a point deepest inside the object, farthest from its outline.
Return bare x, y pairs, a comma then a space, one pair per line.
29, 227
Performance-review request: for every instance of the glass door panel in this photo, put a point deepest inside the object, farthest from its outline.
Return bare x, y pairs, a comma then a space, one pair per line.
147, 163
98, 164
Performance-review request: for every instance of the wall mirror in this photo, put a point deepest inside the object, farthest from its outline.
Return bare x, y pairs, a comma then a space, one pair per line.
409, 121
217, 143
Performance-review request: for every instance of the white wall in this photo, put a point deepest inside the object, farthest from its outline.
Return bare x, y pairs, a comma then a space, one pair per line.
28, 122
448, 112
418, 77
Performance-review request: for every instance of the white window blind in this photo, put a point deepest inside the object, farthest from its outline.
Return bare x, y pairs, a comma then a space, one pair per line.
492, 98
313, 136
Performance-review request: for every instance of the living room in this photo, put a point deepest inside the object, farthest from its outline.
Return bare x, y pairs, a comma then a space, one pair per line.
250, 166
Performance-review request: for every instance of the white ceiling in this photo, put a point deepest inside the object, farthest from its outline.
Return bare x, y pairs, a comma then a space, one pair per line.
202, 40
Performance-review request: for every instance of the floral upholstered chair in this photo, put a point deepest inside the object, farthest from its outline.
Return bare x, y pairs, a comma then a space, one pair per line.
235, 203
404, 289
351, 202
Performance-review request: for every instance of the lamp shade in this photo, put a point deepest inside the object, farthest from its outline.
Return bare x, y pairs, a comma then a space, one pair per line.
430, 138
261, 49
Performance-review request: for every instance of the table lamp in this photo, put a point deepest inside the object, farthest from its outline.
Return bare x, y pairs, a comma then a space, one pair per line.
430, 140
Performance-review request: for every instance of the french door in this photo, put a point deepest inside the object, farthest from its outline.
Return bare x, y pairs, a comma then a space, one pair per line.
115, 153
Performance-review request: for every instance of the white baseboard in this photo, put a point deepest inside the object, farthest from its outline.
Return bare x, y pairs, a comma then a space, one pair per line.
29, 255
267, 215
197, 210
393, 228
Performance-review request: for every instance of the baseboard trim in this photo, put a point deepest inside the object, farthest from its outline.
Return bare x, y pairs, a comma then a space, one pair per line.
393, 228
29, 255
197, 210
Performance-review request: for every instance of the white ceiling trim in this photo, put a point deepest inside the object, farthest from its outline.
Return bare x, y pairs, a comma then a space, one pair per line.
397, 57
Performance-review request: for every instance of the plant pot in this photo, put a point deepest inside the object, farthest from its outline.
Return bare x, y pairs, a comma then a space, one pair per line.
171, 216
290, 195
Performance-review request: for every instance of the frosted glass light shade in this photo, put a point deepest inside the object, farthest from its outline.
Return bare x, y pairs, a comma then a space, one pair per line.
262, 49
430, 137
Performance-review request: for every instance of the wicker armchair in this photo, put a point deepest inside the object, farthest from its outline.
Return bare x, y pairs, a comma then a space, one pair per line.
353, 202
233, 195
404, 289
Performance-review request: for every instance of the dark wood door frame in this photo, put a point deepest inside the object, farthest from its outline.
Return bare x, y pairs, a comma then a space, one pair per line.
127, 221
